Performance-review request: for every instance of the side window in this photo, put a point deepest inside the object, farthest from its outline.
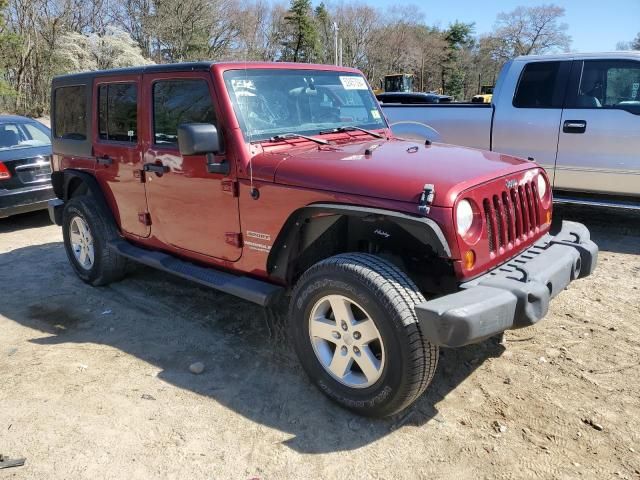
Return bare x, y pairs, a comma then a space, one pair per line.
118, 112
609, 84
70, 112
176, 102
537, 87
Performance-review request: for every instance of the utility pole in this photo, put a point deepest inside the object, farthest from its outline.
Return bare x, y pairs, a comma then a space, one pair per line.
335, 43
340, 52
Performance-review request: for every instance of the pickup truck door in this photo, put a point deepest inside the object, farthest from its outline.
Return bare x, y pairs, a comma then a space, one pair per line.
526, 120
599, 144
117, 149
190, 208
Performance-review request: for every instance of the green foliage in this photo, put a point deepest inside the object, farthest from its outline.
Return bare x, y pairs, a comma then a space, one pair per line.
459, 37
635, 44
301, 38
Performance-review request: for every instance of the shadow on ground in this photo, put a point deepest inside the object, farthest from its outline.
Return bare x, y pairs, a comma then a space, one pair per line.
36, 219
171, 323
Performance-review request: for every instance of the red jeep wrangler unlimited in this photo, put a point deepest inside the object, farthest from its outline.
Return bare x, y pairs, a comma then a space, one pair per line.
272, 181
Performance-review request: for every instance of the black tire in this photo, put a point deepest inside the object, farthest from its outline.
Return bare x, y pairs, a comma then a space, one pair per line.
388, 296
108, 266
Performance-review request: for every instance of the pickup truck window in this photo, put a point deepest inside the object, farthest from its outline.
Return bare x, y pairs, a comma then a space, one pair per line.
70, 112
176, 102
608, 84
269, 102
118, 112
538, 86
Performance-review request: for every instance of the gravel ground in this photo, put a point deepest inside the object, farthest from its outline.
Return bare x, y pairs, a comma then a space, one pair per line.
96, 382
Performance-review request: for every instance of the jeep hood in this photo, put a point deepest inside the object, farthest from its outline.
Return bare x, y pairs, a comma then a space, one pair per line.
391, 169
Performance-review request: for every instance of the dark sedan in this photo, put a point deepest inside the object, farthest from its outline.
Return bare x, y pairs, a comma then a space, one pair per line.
25, 165
412, 97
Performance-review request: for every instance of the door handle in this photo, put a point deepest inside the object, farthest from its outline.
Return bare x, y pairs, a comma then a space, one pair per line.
574, 126
104, 160
156, 168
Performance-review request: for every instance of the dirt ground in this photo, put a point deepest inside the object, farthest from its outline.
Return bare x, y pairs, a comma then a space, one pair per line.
94, 382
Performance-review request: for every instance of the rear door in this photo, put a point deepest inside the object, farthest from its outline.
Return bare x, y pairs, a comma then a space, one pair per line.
118, 151
190, 208
526, 122
599, 145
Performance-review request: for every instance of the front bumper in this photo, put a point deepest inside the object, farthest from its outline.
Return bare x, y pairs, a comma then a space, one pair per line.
23, 200
514, 295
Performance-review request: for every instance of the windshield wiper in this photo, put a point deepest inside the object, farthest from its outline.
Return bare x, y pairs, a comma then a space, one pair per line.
351, 129
285, 136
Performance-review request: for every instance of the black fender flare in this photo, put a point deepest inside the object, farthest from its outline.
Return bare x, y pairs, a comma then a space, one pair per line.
62, 181
379, 223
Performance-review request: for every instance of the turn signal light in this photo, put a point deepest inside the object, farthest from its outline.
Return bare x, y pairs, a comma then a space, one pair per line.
469, 259
548, 216
5, 174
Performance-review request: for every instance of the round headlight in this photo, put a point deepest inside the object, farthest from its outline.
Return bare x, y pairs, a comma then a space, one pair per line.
464, 217
542, 185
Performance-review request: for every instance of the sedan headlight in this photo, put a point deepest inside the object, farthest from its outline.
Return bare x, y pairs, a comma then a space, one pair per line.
464, 217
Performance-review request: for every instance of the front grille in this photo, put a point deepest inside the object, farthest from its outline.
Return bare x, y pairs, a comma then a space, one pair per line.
511, 216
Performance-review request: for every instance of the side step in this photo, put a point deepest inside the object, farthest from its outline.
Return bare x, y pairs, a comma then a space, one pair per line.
250, 289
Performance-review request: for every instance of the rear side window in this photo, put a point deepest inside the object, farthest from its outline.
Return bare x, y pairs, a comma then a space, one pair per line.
176, 102
70, 112
118, 112
538, 86
608, 84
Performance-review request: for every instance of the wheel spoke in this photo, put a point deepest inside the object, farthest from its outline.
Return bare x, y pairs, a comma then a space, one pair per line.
341, 309
368, 363
90, 253
83, 256
75, 237
323, 328
368, 331
340, 363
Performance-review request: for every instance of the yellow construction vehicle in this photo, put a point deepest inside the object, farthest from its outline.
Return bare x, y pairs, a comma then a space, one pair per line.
485, 95
396, 82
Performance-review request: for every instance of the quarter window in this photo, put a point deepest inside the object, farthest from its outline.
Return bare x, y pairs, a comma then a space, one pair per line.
118, 112
537, 87
70, 112
176, 102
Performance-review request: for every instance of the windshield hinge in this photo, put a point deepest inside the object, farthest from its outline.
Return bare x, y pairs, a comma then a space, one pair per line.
426, 198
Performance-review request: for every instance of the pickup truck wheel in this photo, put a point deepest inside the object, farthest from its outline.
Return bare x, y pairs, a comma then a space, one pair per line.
353, 325
86, 232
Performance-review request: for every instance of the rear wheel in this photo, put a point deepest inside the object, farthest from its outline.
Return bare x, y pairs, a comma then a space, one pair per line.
86, 232
354, 328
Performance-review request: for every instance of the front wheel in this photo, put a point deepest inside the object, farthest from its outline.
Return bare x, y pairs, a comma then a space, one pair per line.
354, 328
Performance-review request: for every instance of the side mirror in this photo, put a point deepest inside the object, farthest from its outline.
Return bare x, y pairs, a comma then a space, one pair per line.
202, 139
198, 139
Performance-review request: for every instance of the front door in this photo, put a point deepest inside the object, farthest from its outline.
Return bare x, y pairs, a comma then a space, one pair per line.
190, 208
118, 150
599, 144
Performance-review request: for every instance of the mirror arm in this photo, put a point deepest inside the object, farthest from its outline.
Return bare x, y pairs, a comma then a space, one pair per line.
217, 167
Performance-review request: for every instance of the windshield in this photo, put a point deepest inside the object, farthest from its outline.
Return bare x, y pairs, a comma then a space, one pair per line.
271, 102
22, 135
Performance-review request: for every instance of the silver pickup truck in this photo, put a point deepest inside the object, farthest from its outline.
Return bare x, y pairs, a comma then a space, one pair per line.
577, 115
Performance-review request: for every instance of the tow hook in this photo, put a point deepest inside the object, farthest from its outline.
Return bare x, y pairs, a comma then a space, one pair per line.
426, 198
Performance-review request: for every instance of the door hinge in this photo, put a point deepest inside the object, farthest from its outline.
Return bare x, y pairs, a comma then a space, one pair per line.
230, 187
233, 238
144, 218
139, 174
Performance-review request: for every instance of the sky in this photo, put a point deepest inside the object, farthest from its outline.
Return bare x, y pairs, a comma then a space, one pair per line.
594, 26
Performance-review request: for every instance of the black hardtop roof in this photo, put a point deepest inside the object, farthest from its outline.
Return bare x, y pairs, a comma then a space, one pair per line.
169, 67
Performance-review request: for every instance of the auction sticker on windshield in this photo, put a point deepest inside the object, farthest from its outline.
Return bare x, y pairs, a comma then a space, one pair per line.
353, 83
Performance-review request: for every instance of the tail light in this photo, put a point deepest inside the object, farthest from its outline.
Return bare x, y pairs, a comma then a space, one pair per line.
5, 174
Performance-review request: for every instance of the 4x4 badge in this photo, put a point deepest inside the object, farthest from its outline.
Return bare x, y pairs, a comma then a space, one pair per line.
511, 183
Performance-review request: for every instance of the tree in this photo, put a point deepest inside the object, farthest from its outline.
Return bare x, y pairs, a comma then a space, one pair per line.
530, 31
459, 38
301, 39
